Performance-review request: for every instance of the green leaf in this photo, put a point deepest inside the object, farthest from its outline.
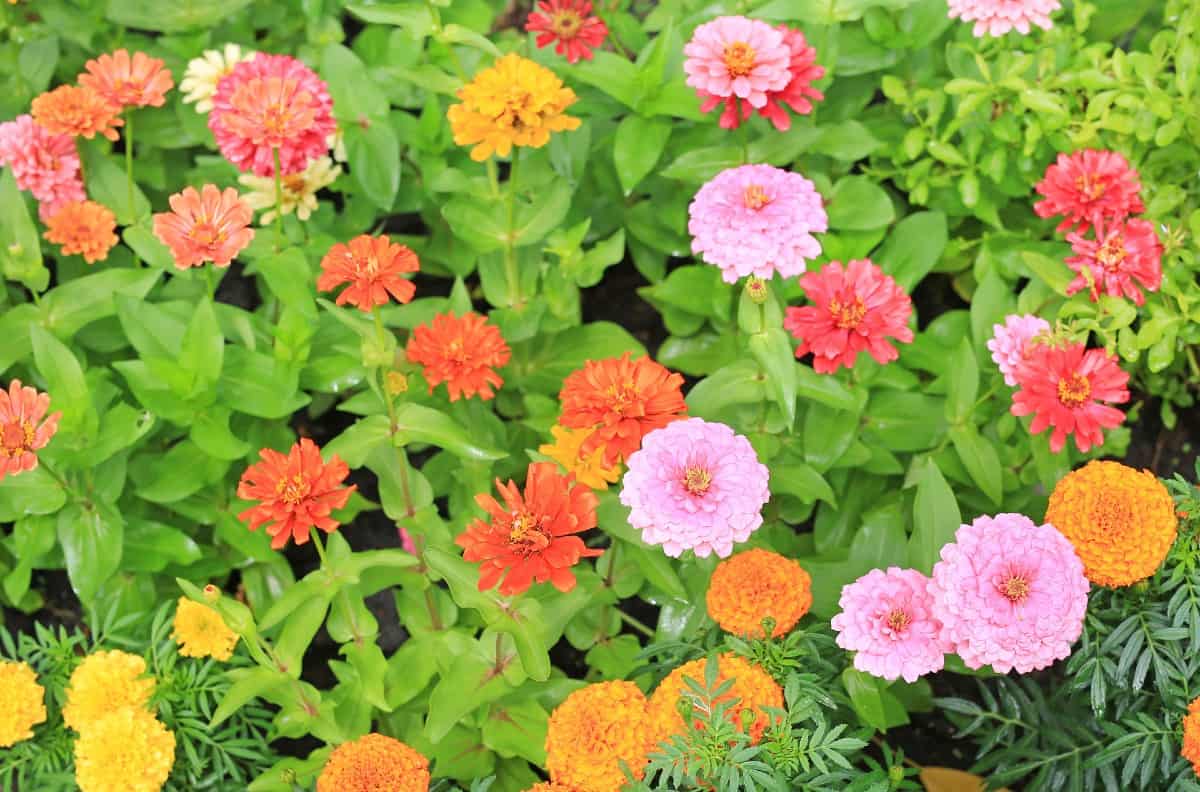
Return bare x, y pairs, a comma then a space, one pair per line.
824, 388
65, 382
802, 482
20, 248
463, 580
31, 493
858, 203
541, 364
1053, 272
638, 144
142, 241
517, 728
699, 165
535, 220
69, 307
150, 546
413, 17
210, 431
828, 433
448, 704
875, 705
773, 351
740, 382
457, 34
91, 540
177, 474
612, 74
106, 183
248, 684
173, 18
290, 279
36, 62
912, 249
477, 223
374, 155
256, 384
356, 97
980, 459
936, 518
299, 629
416, 423
963, 386
203, 347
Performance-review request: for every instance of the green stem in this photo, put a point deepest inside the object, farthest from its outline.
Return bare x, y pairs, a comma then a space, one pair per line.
316, 537
636, 623
493, 177
278, 200
511, 272
393, 423
212, 283
137, 260
58, 477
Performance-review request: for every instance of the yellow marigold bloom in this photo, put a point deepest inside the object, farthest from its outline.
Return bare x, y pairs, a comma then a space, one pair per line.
1191, 736
516, 102
24, 703
103, 682
589, 469
373, 763
1120, 520
593, 731
126, 750
201, 632
755, 584
753, 687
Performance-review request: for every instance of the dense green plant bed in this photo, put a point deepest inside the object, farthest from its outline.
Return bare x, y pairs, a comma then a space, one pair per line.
582, 397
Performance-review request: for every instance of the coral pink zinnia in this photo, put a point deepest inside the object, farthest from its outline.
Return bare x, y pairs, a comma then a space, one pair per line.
42, 162
571, 24
887, 620
1010, 342
757, 220
137, 81
272, 103
1009, 594
209, 225
22, 430
695, 485
1089, 186
1123, 256
1062, 385
733, 56
856, 308
997, 17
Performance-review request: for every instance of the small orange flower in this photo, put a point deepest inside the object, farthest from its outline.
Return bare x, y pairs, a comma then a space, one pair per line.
755, 584
753, 687
461, 353
21, 436
592, 732
623, 400
128, 82
209, 225
295, 492
373, 267
373, 763
83, 227
1191, 736
532, 536
76, 111
588, 469
550, 786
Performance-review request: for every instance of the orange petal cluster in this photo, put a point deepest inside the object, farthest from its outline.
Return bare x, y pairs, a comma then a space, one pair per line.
753, 687
592, 732
128, 81
76, 111
752, 585
374, 763
1191, 736
374, 267
210, 225
83, 227
462, 352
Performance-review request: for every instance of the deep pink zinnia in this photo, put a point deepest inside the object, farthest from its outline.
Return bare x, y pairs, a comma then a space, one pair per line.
1009, 594
570, 23
997, 17
1063, 387
267, 104
856, 308
44, 163
1087, 187
733, 56
1010, 342
1123, 256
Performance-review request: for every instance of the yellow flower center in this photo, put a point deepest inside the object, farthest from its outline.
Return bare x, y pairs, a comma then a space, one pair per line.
527, 534
1074, 390
898, 619
1091, 187
1112, 252
566, 23
697, 480
205, 233
292, 490
847, 316
739, 58
755, 198
1015, 588
621, 396
16, 438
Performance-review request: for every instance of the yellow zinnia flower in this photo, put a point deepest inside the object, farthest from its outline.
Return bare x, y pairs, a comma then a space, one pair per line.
201, 632
24, 703
126, 750
589, 469
103, 682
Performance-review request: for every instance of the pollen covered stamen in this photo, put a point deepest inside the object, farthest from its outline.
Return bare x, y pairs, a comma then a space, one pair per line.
1074, 391
566, 23
847, 315
898, 620
739, 58
697, 480
1015, 588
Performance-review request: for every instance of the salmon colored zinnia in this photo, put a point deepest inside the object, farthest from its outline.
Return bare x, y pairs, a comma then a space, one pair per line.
373, 266
462, 352
374, 763
295, 492
593, 731
83, 227
756, 584
622, 400
753, 687
1191, 736
23, 432
532, 536
210, 225
128, 81
76, 111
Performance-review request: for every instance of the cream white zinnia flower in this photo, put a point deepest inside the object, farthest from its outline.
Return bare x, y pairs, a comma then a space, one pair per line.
202, 75
299, 190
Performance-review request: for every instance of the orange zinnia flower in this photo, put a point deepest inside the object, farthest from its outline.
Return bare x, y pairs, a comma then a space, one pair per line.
72, 110
209, 225
21, 436
461, 353
83, 227
294, 492
532, 536
373, 267
623, 400
128, 82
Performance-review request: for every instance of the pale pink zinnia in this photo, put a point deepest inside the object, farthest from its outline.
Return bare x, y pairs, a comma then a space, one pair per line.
44, 163
997, 17
887, 620
757, 220
695, 485
1009, 594
1009, 340
739, 57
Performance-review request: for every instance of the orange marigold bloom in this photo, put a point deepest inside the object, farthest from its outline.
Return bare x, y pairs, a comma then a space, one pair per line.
589, 469
295, 492
21, 434
83, 227
755, 584
550, 786
592, 732
126, 81
754, 688
461, 352
373, 266
209, 225
623, 400
76, 111
532, 536
1191, 736
374, 763
1120, 520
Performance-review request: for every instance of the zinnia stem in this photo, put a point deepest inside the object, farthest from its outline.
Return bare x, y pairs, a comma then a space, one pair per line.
316, 537
636, 623
278, 199
129, 161
510, 254
406, 491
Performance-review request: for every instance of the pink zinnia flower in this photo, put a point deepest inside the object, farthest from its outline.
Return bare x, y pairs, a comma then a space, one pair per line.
1010, 340
734, 56
44, 163
1009, 594
887, 620
210, 225
272, 102
128, 81
695, 485
857, 308
570, 23
757, 220
796, 94
1087, 187
1122, 256
1063, 385
23, 432
997, 17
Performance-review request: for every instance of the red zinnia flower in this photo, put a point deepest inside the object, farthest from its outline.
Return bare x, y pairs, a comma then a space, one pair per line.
129, 82
796, 94
209, 225
1063, 385
623, 400
1119, 255
373, 267
569, 22
1089, 186
21, 435
295, 492
531, 537
461, 353
857, 308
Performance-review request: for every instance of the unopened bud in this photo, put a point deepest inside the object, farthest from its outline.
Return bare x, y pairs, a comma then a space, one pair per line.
397, 383
896, 774
211, 593
287, 775
756, 290
748, 715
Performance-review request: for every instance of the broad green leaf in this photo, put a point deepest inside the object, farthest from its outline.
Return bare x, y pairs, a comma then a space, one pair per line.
874, 704
457, 34
463, 580
20, 247
356, 98
415, 17
31, 493
357, 441
256, 384
14, 329
173, 18
149, 248
299, 628
824, 388
470, 683
802, 482
541, 365
517, 728
150, 546
858, 203
773, 351
696, 166
210, 431
828, 432
290, 279
248, 684
180, 472
416, 423
478, 223
936, 518
912, 249
741, 382
611, 73
72, 305
1053, 272
106, 182
638, 144
65, 382
203, 347
549, 207
980, 459
91, 537
36, 62
374, 154
963, 386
